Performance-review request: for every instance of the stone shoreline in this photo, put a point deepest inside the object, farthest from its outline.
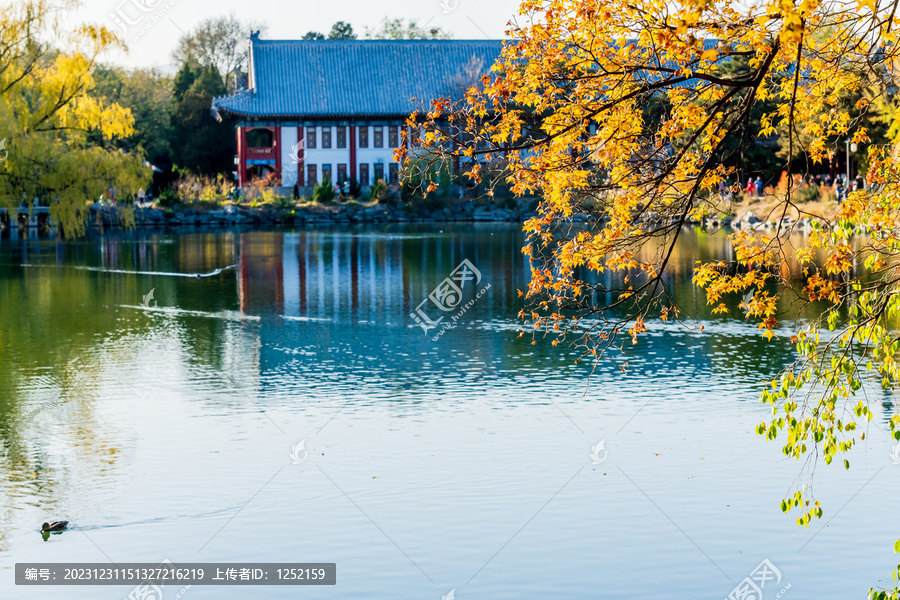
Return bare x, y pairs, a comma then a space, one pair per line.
320, 214
337, 214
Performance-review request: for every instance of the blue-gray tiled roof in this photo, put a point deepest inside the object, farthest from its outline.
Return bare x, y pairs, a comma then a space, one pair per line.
345, 78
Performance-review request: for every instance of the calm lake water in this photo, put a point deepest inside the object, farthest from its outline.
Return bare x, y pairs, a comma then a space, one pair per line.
428, 465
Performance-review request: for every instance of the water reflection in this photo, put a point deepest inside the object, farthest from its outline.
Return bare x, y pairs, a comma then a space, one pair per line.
161, 419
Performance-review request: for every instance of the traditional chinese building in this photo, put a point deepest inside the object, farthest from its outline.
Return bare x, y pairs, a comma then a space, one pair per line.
334, 109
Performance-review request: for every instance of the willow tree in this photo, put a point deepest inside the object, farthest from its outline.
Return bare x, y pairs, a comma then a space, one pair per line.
47, 113
636, 112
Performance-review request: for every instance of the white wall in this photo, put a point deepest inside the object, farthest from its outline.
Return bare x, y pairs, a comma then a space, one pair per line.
288, 166
373, 155
334, 156
320, 156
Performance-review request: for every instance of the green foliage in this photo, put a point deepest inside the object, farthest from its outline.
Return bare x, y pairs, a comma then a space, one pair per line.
341, 31
200, 143
323, 192
183, 81
278, 201
401, 29
313, 35
894, 592
379, 191
168, 197
148, 94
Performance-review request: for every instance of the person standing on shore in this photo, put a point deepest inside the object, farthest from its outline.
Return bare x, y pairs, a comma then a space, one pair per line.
751, 188
759, 186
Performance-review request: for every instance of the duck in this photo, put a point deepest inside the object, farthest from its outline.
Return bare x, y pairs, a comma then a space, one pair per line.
55, 526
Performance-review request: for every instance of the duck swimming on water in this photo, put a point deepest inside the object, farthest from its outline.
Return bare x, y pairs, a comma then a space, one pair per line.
55, 526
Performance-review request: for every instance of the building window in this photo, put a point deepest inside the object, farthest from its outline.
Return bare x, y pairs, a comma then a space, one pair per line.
364, 174
395, 172
326, 174
363, 137
342, 173
326, 137
379, 137
311, 175
341, 137
310, 137
260, 138
379, 171
393, 137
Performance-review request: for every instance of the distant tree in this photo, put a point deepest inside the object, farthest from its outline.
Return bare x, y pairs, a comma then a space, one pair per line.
220, 42
342, 31
183, 81
401, 29
200, 144
313, 35
148, 94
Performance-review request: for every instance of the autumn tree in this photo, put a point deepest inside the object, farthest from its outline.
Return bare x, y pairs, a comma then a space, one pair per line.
59, 136
632, 113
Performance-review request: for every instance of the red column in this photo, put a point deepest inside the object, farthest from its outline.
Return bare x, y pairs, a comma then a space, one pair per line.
352, 152
277, 150
242, 156
302, 155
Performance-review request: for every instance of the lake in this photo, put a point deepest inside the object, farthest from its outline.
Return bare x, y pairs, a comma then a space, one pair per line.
275, 400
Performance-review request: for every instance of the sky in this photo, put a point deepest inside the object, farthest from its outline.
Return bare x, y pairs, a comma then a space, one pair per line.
154, 26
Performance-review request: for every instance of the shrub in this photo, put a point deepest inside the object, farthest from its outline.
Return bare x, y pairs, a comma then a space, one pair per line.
323, 192
379, 191
168, 197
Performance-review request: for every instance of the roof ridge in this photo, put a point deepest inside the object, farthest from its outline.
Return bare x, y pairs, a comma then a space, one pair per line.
351, 77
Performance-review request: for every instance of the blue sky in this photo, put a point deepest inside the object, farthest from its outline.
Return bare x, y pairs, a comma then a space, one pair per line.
154, 31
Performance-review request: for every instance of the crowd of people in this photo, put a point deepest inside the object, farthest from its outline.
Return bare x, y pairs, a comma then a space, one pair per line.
755, 188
